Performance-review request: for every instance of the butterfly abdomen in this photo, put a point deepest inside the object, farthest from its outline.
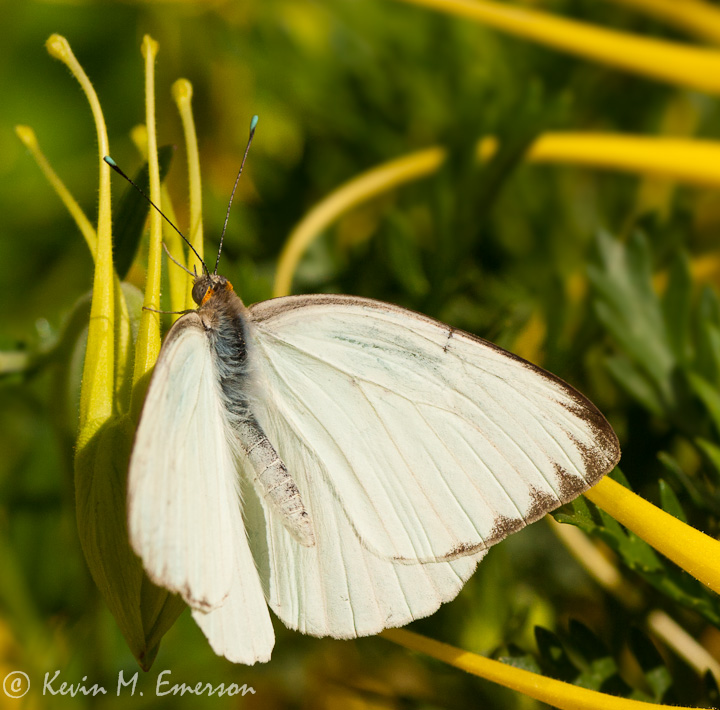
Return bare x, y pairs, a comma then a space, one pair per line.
227, 329
274, 481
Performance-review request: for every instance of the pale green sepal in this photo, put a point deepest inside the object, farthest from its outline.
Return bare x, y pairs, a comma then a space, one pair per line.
143, 611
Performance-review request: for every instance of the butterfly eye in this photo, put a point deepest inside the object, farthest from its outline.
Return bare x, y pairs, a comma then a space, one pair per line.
199, 290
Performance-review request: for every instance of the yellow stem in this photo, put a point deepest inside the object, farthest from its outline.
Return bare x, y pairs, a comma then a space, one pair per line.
148, 344
691, 161
122, 317
684, 65
176, 276
96, 396
694, 551
182, 92
547, 690
698, 18
27, 136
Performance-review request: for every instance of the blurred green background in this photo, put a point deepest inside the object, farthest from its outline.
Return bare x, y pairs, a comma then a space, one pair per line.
504, 252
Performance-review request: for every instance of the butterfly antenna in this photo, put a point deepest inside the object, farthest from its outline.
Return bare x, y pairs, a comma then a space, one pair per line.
115, 167
253, 125
175, 261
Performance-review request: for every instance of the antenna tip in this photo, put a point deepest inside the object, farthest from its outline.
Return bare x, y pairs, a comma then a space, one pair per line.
110, 161
253, 123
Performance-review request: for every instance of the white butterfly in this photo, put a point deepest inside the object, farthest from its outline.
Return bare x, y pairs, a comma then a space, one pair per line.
345, 461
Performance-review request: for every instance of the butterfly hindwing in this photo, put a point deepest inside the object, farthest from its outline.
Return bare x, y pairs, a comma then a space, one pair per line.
337, 587
436, 444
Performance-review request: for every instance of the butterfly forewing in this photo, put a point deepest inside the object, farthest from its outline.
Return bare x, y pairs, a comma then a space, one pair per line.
184, 512
180, 496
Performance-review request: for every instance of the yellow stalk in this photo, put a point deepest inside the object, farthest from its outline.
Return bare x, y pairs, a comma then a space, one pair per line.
148, 343
96, 396
689, 161
176, 276
698, 18
27, 136
182, 93
547, 690
122, 319
684, 65
694, 551
683, 159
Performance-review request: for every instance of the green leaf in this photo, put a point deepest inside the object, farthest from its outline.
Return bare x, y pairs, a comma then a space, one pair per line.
669, 501
653, 667
711, 451
597, 666
403, 256
554, 659
709, 396
702, 499
131, 212
635, 383
707, 328
676, 305
630, 310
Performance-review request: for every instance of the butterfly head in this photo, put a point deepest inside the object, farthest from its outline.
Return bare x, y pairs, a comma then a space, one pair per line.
208, 285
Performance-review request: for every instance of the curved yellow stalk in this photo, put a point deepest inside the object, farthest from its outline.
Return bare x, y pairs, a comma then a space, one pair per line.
96, 396
354, 192
694, 551
684, 65
553, 692
691, 161
148, 343
694, 16
27, 136
182, 93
